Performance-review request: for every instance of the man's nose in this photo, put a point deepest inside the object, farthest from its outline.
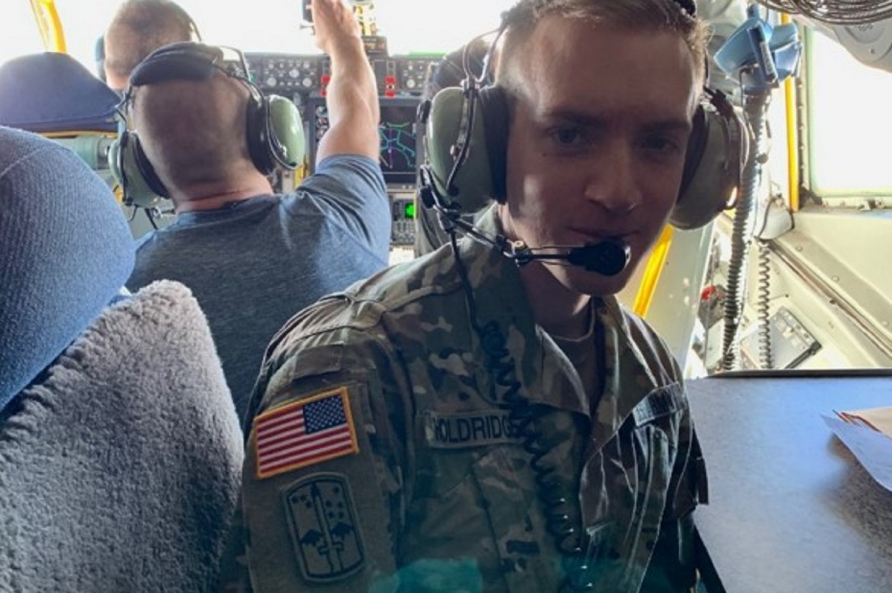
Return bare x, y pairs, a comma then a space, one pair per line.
614, 181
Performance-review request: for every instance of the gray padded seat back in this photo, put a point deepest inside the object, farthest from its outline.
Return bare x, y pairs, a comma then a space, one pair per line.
120, 448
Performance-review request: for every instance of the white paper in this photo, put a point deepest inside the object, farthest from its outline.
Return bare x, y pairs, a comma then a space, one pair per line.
872, 449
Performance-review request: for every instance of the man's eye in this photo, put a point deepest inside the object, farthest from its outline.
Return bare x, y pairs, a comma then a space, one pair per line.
662, 144
567, 136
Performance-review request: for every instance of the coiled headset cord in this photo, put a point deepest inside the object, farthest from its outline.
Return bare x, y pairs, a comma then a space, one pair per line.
575, 546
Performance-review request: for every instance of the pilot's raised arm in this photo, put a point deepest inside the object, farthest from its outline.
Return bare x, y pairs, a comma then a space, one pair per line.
351, 95
209, 139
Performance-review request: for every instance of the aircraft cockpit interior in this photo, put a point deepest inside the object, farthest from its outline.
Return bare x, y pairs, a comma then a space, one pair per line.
767, 284
401, 81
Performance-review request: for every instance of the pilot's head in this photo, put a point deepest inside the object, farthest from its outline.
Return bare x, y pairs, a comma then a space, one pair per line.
193, 134
138, 28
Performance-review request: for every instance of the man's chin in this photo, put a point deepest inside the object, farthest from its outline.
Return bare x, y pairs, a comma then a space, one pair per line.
592, 283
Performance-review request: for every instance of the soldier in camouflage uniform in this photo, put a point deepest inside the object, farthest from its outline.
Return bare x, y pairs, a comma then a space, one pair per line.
459, 423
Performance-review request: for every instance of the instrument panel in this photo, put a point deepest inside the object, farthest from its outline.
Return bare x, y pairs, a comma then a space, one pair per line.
401, 80
402, 207
287, 74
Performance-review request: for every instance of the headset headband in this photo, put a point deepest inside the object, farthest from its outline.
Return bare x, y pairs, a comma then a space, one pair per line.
189, 61
188, 20
273, 127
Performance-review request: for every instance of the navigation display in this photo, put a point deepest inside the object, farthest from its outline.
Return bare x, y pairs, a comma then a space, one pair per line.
397, 131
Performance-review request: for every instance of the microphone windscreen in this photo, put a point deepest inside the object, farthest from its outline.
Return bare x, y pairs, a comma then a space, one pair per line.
607, 258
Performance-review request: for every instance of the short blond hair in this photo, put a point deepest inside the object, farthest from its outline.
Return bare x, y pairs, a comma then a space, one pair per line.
630, 15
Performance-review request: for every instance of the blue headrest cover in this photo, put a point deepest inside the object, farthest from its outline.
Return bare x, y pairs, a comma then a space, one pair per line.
53, 92
65, 252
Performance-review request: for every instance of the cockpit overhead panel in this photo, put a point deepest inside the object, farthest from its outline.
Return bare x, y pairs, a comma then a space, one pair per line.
307, 75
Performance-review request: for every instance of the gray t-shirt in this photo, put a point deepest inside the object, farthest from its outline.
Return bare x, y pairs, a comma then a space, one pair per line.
254, 264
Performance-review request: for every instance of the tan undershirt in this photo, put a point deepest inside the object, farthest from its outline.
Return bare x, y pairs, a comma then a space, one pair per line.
582, 352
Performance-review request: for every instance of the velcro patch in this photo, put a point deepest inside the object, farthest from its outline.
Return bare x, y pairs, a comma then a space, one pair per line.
468, 429
305, 432
662, 402
324, 528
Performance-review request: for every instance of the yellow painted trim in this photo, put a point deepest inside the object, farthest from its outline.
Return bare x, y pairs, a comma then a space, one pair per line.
302, 172
75, 133
50, 25
792, 144
792, 120
652, 271
365, 18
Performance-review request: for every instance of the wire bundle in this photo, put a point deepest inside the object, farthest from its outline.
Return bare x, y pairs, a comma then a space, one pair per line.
835, 12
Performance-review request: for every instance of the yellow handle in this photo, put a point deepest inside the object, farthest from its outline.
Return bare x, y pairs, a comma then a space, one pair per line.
366, 18
790, 106
50, 25
652, 272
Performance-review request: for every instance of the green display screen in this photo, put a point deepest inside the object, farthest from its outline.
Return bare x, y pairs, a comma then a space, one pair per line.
409, 210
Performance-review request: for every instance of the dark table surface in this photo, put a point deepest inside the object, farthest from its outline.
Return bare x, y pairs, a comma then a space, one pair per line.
791, 510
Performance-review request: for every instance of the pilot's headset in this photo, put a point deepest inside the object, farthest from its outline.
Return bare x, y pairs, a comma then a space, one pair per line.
274, 131
467, 136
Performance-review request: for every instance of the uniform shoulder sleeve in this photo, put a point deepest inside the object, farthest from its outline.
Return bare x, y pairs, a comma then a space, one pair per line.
324, 470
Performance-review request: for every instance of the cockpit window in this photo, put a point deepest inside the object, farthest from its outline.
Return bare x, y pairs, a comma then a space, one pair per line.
18, 30
843, 162
258, 25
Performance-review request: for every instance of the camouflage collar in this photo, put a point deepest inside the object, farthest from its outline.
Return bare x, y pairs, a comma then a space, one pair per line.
502, 305
634, 368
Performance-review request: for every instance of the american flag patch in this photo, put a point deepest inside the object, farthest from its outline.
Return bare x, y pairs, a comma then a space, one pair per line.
305, 432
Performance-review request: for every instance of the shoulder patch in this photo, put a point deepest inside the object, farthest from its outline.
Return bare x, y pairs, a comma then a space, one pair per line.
304, 432
664, 401
324, 531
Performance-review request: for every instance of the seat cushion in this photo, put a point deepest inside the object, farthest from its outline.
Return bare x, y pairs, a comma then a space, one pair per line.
53, 92
66, 251
120, 470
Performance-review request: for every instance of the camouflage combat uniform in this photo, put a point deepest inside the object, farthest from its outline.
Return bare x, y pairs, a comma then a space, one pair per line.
436, 490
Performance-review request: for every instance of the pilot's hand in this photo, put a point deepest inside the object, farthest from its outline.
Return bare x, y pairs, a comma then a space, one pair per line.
335, 25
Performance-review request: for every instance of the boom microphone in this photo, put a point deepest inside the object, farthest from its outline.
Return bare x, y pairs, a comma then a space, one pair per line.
608, 257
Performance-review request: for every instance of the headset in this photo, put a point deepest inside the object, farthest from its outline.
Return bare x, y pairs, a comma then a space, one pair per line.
274, 130
467, 130
467, 137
